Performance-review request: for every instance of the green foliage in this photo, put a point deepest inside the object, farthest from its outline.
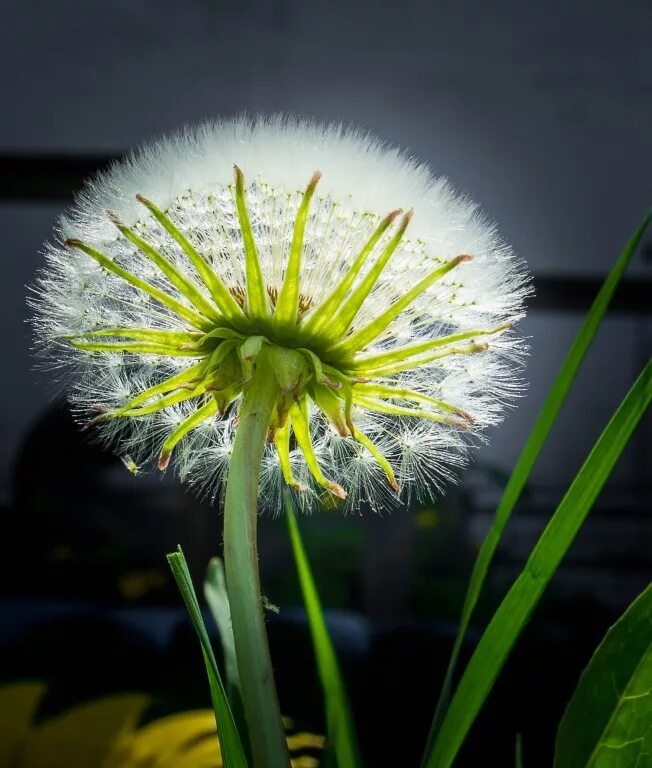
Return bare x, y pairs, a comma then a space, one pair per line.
608, 722
340, 729
231, 746
218, 602
544, 423
512, 614
518, 756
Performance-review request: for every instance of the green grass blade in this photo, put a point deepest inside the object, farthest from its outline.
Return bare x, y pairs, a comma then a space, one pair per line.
535, 442
607, 722
218, 601
514, 611
232, 753
518, 752
340, 729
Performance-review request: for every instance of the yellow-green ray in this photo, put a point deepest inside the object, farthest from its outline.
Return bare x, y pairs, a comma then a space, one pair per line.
134, 348
377, 454
410, 350
257, 299
416, 362
318, 368
222, 333
182, 379
325, 311
286, 311
387, 391
179, 396
332, 406
189, 288
340, 324
186, 426
372, 330
345, 392
301, 427
151, 335
282, 444
381, 406
221, 295
194, 318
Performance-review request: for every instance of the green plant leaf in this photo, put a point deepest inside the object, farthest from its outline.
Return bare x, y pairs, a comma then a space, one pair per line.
340, 729
218, 602
230, 744
535, 442
518, 751
608, 722
514, 611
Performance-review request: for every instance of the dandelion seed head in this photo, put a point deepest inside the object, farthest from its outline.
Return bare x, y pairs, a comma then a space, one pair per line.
383, 302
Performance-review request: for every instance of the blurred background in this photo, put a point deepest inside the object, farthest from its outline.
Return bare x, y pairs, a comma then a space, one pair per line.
540, 111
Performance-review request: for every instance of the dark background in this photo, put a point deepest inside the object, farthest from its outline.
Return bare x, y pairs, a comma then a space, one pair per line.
543, 113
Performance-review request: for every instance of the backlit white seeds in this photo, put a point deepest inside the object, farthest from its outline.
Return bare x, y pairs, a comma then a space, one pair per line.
165, 304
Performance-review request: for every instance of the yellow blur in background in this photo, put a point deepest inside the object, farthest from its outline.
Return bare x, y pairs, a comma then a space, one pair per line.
107, 733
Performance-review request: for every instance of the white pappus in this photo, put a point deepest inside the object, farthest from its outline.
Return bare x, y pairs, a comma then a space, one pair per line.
387, 299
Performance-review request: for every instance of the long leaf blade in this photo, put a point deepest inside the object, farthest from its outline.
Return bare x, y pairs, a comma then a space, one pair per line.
607, 721
512, 614
230, 744
217, 599
535, 442
340, 728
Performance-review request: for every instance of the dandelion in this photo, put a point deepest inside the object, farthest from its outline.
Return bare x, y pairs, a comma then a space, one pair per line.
176, 275
280, 301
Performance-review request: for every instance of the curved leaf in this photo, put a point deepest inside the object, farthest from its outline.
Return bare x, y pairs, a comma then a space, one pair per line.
533, 447
513, 613
229, 739
608, 722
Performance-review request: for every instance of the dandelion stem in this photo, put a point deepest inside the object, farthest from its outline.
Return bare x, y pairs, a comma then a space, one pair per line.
259, 697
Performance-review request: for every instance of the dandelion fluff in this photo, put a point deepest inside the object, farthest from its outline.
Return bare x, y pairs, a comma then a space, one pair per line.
383, 302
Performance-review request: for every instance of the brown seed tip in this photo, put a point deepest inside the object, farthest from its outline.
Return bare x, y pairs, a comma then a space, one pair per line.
337, 490
92, 422
465, 415
331, 384
143, 200
505, 326
164, 460
113, 217
407, 218
394, 484
239, 176
71, 242
314, 179
391, 216
462, 258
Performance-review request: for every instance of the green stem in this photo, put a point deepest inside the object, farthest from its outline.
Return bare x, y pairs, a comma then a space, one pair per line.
243, 583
